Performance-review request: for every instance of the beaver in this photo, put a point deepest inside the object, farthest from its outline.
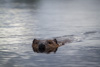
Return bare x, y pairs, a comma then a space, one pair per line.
47, 46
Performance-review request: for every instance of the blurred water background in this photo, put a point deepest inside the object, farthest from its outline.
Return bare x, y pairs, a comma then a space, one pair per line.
23, 20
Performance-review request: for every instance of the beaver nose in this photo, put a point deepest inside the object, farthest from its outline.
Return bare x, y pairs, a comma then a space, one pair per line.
41, 48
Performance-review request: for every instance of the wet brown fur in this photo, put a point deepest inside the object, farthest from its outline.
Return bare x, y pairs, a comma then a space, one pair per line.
50, 45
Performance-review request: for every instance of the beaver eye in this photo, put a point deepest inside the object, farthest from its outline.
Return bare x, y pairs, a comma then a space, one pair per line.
36, 42
49, 42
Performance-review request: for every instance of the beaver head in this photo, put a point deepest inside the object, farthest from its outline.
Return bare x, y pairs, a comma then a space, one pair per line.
45, 46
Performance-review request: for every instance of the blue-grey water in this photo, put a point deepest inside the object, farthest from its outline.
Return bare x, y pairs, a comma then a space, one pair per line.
23, 20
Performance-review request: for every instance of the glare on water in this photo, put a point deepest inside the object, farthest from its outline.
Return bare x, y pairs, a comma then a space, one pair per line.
23, 20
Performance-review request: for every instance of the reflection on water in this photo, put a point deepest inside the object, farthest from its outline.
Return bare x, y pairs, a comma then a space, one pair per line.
23, 20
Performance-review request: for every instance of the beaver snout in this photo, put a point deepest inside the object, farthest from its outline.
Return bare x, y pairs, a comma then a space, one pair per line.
41, 48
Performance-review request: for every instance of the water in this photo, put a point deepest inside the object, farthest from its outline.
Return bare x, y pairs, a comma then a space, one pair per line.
23, 20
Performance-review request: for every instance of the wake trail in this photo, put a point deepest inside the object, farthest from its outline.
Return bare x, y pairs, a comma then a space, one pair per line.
78, 37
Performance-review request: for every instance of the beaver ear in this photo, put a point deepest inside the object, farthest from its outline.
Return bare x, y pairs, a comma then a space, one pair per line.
55, 40
34, 40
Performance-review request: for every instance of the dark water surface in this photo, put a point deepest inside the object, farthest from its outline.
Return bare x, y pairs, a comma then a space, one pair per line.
23, 20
